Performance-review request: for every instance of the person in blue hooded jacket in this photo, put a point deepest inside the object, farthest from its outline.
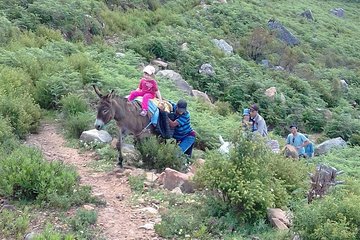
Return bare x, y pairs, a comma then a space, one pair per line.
179, 120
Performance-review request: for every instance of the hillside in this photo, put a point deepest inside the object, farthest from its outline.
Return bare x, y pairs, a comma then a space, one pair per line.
51, 52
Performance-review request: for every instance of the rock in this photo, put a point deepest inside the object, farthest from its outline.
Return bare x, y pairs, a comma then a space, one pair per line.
196, 165
278, 68
171, 179
180, 83
273, 145
119, 55
184, 47
7, 207
330, 144
120, 197
30, 236
276, 223
88, 207
282, 98
149, 210
265, 63
308, 15
339, 12
207, 69
151, 177
279, 214
278, 218
271, 92
159, 63
202, 96
147, 226
177, 191
224, 46
96, 135
344, 85
282, 33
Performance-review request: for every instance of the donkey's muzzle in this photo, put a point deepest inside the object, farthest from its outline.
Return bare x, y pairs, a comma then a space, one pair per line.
98, 124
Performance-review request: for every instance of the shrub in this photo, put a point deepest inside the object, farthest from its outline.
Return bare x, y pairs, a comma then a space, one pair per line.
249, 180
50, 89
14, 224
22, 114
160, 156
334, 217
83, 219
73, 104
7, 31
25, 175
7, 139
342, 126
76, 124
88, 70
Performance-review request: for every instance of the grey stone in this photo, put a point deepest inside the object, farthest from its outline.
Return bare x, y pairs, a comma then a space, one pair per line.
96, 135
265, 63
207, 69
308, 15
330, 144
282, 33
224, 46
180, 83
339, 12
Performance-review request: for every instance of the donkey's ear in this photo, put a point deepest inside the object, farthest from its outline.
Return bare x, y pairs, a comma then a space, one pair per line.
112, 94
97, 91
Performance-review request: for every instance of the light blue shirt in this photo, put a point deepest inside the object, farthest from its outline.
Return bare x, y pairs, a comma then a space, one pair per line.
297, 141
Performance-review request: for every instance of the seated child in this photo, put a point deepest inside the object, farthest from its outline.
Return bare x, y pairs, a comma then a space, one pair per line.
148, 89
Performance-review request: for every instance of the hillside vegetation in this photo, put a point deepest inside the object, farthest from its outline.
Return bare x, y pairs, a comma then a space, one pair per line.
51, 52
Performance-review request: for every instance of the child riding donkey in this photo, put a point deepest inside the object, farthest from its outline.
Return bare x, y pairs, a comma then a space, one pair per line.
148, 89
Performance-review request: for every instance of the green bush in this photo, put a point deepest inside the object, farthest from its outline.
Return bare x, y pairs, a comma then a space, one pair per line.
22, 114
336, 216
14, 224
252, 178
50, 89
82, 220
160, 156
25, 175
73, 104
7, 31
342, 126
74, 125
8, 141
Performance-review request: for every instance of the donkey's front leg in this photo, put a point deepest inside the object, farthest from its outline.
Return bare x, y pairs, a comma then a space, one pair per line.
118, 147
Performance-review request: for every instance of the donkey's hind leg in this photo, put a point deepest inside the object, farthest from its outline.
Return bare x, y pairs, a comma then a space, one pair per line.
118, 147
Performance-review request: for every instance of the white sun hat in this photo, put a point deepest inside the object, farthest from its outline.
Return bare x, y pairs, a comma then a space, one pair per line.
149, 70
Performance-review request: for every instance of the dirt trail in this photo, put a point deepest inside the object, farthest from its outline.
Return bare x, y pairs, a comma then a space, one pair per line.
117, 220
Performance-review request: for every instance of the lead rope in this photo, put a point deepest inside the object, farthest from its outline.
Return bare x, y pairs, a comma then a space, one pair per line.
142, 131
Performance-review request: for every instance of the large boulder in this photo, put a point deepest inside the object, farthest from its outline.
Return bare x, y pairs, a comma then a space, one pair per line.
339, 12
201, 96
207, 69
308, 15
171, 179
278, 218
271, 92
224, 46
282, 33
95, 135
180, 83
330, 144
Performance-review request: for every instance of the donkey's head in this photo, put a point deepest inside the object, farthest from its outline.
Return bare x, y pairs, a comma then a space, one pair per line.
105, 111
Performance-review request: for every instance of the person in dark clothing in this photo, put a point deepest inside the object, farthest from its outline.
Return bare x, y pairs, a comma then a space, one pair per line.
179, 120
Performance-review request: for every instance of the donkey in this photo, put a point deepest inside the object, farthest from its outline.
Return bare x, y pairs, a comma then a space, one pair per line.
126, 115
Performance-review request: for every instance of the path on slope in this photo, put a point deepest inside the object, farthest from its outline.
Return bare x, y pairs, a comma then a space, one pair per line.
117, 220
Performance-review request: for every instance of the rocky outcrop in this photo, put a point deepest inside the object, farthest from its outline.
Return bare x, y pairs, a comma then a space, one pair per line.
282, 33
175, 77
330, 144
95, 135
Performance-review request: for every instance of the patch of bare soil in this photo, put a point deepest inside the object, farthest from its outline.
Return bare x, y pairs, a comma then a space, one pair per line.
118, 219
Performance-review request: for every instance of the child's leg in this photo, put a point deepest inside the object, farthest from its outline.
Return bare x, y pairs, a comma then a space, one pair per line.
134, 94
145, 101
